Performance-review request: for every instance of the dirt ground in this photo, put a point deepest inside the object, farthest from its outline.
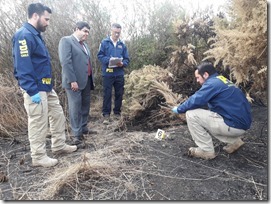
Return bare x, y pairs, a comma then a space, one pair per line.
129, 165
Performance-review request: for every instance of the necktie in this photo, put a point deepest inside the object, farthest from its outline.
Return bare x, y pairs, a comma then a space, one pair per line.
89, 63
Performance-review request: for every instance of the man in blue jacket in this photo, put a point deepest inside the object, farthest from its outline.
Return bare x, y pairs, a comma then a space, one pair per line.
228, 117
113, 76
32, 69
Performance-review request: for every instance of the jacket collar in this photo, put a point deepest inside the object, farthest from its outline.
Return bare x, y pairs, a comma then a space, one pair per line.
31, 28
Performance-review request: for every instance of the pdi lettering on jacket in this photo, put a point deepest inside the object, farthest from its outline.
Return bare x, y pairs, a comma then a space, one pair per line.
225, 80
46, 80
23, 48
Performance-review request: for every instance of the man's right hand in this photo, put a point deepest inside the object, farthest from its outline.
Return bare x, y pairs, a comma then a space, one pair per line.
36, 98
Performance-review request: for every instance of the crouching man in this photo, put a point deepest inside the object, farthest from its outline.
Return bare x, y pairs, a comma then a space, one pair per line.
227, 119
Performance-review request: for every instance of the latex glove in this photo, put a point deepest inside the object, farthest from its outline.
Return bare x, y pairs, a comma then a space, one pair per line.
174, 110
36, 98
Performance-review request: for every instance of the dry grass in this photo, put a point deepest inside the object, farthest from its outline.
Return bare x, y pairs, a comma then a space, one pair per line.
84, 174
149, 98
13, 118
109, 173
241, 45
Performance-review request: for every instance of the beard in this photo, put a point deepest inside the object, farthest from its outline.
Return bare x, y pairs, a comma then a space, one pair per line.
40, 27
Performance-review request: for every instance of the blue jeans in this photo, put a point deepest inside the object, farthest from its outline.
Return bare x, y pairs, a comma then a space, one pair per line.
108, 83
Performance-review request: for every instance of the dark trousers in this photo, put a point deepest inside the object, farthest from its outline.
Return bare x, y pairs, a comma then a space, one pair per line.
79, 104
108, 83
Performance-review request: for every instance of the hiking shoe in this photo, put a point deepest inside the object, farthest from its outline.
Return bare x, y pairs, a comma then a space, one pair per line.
77, 140
45, 162
106, 120
230, 148
66, 149
197, 152
88, 131
117, 116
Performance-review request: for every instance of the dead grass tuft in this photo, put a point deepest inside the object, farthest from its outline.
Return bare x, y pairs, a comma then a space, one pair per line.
13, 118
108, 173
149, 98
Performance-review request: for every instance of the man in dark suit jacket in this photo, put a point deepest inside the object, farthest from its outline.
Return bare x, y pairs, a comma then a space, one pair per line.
77, 78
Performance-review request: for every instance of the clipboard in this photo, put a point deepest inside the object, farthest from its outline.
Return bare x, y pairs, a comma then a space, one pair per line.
113, 61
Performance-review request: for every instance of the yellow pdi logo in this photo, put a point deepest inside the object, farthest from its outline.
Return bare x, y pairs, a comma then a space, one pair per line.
23, 48
46, 80
225, 80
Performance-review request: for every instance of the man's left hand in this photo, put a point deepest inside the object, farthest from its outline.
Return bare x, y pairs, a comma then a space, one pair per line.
120, 64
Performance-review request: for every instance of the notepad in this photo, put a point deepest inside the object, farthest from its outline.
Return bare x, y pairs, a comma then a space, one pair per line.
113, 61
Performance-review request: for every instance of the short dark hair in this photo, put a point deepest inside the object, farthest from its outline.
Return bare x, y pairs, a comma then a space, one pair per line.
37, 8
116, 25
206, 67
81, 24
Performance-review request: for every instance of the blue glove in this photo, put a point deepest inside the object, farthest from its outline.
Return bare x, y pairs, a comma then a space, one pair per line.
36, 98
174, 110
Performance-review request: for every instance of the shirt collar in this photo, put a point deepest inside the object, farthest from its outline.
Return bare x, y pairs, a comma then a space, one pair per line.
113, 41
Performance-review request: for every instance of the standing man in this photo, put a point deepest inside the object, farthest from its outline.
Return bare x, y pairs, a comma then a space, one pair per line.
32, 69
77, 78
228, 117
113, 76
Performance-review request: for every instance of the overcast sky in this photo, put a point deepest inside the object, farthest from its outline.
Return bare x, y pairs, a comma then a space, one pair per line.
123, 11
189, 5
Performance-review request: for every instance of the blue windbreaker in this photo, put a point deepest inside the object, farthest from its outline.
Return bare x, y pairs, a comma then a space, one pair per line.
107, 50
224, 98
32, 67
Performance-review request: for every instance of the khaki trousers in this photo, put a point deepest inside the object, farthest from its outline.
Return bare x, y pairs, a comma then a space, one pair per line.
203, 124
49, 109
